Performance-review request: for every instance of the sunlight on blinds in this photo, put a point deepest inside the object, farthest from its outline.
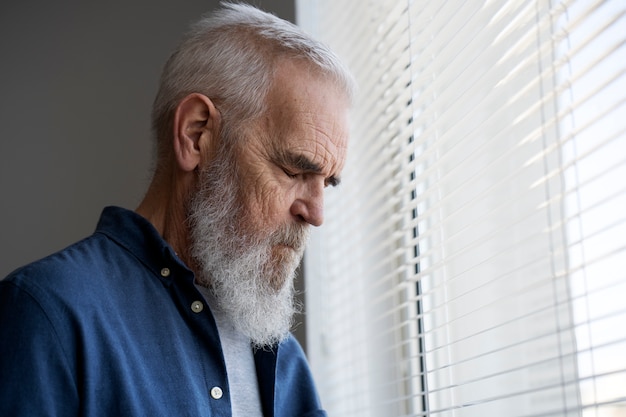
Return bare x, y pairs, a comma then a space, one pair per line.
472, 262
594, 171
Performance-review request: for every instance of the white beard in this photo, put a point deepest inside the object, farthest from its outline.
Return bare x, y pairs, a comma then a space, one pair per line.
253, 289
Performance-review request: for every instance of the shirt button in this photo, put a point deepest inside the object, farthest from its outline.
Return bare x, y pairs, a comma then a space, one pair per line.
197, 307
165, 272
216, 393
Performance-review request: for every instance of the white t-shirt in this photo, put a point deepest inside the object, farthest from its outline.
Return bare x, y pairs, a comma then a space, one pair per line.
240, 367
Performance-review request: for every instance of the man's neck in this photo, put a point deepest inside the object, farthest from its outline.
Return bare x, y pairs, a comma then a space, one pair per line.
164, 207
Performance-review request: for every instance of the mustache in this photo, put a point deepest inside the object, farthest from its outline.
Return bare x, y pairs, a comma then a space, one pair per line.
293, 235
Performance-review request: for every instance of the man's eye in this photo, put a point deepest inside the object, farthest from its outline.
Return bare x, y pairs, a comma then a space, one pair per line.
290, 174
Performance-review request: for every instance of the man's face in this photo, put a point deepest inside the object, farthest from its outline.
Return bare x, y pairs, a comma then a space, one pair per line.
251, 214
294, 151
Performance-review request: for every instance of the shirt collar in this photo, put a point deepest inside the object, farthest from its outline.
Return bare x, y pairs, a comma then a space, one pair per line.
138, 236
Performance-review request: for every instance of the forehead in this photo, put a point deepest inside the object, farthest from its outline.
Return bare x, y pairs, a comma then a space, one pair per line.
308, 114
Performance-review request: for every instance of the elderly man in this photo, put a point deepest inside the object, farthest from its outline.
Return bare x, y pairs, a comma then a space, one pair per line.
183, 307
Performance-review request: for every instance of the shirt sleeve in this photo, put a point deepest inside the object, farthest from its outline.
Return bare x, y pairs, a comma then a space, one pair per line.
35, 375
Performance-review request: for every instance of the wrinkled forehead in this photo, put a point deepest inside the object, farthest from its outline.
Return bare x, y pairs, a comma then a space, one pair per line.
308, 114
297, 81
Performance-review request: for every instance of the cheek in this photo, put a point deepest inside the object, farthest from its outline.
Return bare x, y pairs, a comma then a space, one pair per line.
268, 204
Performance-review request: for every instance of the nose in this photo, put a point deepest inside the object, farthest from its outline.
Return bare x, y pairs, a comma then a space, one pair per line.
309, 207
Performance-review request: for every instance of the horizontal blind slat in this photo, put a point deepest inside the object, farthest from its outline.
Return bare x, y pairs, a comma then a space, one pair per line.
470, 196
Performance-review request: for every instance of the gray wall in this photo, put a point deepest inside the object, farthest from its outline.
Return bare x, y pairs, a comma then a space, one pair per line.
77, 79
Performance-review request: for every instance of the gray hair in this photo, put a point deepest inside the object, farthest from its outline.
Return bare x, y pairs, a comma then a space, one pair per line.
230, 57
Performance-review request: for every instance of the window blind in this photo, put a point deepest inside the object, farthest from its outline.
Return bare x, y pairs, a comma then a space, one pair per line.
472, 261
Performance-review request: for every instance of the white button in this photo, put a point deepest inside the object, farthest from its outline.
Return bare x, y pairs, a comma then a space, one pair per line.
165, 272
216, 393
197, 306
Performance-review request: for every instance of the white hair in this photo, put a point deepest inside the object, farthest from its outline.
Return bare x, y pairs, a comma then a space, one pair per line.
230, 57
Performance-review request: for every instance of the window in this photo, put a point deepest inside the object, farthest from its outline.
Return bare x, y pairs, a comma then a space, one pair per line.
472, 261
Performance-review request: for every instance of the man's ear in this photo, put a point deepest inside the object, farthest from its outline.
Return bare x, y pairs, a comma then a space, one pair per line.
196, 129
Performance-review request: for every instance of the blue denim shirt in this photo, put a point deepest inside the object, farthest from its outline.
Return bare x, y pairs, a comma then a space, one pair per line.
114, 326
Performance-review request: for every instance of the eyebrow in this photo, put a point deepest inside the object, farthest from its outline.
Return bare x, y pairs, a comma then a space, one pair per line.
304, 164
